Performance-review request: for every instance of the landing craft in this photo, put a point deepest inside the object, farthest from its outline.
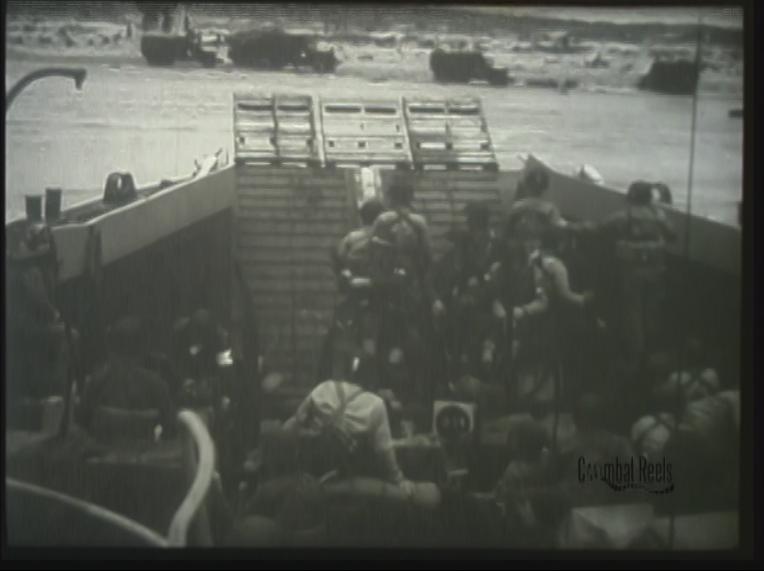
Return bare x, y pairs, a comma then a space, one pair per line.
250, 240
674, 77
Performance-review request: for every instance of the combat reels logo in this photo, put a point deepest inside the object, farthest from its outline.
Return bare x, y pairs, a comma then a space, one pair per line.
634, 473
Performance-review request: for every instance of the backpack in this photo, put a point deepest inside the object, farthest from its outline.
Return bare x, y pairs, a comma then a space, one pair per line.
335, 442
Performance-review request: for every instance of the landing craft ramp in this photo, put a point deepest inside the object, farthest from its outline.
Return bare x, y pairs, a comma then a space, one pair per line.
299, 185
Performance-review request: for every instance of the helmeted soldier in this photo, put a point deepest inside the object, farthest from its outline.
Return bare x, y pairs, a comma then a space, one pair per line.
465, 282
201, 346
37, 347
535, 290
401, 270
356, 321
639, 235
533, 215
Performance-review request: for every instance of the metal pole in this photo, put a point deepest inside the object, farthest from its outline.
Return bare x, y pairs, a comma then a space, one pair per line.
77, 74
686, 246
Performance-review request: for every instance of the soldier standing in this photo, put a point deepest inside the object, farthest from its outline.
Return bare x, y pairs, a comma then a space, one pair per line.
356, 319
473, 331
401, 272
639, 234
37, 348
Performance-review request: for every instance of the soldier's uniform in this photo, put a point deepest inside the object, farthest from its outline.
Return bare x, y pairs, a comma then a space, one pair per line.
401, 272
355, 321
639, 235
532, 217
466, 285
37, 347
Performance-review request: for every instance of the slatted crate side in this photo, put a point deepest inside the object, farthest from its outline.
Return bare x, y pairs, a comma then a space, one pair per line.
262, 285
296, 300
272, 186
448, 132
250, 210
290, 274
309, 242
274, 128
269, 258
305, 227
307, 202
285, 256
314, 315
363, 132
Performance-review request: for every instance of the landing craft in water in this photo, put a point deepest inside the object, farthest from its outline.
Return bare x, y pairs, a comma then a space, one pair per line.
674, 77
251, 240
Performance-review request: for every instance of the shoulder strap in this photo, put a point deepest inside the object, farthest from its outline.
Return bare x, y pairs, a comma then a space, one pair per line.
344, 401
407, 219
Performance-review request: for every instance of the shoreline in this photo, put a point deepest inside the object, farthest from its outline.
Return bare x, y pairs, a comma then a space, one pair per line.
411, 70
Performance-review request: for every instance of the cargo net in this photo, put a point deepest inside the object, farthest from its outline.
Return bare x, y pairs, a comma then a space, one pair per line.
403, 133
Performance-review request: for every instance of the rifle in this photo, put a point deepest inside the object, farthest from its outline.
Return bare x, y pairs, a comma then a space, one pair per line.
71, 381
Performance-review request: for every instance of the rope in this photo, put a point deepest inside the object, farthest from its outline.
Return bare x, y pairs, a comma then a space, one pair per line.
687, 234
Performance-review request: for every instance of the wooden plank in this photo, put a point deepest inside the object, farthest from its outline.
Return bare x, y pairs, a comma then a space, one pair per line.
295, 227
268, 286
249, 173
289, 181
264, 301
293, 274
293, 186
287, 243
257, 260
300, 202
255, 213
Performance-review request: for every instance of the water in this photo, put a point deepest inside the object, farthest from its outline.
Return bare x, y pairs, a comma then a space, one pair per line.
155, 122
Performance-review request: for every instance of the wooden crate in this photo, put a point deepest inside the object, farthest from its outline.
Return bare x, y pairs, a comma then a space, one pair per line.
448, 133
364, 132
275, 129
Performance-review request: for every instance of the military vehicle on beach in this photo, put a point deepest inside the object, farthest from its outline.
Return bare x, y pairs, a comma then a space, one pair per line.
168, 37
277, 49
466, 66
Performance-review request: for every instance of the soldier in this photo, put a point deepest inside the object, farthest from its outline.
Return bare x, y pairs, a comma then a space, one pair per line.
534, 284
125, 385
356, 320
401, 271
201, 346
213, 382
465, 282
533, 213
37, 346
639, 234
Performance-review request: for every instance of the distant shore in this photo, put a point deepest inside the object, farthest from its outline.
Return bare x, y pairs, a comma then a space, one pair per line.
400, 53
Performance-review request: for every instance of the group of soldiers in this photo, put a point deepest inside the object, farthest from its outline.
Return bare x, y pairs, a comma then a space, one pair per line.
498, 306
